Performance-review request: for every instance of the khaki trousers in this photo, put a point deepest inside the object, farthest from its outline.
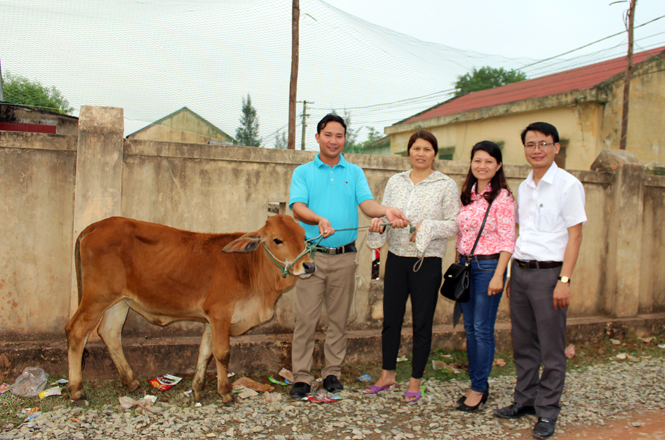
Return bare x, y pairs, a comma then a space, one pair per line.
332, 284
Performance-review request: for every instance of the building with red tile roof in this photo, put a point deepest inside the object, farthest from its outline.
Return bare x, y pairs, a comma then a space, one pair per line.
584, 103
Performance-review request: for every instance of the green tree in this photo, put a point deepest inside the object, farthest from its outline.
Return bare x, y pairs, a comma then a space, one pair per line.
372, 135
281, 141
486, 78
353, 146
248, 132
18, 89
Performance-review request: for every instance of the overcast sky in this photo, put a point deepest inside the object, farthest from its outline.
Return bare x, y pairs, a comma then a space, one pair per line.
383, 60
512, 28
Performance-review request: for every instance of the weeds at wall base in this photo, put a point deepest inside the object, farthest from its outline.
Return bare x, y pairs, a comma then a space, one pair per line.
103, 395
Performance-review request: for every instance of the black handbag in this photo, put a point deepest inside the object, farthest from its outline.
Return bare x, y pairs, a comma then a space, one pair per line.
456, 281
456, 284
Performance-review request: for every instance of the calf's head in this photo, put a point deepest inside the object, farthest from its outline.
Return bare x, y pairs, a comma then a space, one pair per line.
284, 241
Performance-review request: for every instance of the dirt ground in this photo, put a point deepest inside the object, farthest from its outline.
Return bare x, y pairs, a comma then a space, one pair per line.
632, 425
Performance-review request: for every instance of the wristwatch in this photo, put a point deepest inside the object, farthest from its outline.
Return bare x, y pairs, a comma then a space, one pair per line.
564, 280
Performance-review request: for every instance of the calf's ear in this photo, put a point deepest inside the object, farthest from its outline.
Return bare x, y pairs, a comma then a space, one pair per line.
245, 244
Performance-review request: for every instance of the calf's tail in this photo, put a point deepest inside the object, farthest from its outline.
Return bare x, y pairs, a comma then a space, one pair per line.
77, 263
79, 285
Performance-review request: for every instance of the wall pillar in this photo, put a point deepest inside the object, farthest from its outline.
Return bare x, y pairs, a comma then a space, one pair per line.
99, 158
624, 212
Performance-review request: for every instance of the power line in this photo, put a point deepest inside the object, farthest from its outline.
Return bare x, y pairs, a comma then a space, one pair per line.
449, 91
591, 44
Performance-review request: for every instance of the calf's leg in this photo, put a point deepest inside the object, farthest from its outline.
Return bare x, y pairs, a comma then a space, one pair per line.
78, 329
110, 330
205, 353
221, 350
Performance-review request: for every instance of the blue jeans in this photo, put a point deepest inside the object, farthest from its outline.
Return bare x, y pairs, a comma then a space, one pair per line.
479, 318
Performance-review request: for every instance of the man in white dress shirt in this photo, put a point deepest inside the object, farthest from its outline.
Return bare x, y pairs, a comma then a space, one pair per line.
550, 216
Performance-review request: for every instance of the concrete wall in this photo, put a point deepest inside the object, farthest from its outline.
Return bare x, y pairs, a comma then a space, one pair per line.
652, 280
52, 186
36, 213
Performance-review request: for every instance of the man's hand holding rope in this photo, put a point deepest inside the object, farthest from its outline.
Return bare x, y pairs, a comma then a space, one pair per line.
325, 228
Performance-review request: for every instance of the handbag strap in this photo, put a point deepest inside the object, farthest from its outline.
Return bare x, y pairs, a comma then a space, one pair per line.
481, 229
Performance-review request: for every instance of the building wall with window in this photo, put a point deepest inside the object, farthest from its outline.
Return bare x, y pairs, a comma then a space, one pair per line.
588, 119
24, 118
578, 125
646, 135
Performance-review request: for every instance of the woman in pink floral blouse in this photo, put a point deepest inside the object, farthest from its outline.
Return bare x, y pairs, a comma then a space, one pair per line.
430, 201
485, 183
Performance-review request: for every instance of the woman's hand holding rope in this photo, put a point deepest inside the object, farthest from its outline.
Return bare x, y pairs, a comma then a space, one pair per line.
397, 218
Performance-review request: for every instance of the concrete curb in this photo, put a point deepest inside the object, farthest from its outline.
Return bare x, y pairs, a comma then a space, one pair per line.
156, 356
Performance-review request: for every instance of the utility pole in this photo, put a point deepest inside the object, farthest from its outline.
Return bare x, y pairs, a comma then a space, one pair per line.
304, 122
293, 88
626, 82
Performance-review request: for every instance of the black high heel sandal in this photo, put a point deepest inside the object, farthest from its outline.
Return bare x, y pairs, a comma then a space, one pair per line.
466, 408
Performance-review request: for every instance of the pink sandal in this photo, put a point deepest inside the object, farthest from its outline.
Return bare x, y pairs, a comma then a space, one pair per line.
373, 389
408, 394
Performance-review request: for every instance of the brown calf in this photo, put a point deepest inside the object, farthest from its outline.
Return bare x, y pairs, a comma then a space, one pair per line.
228, 281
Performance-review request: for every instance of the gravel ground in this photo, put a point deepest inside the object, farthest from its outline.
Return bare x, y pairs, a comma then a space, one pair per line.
592, 397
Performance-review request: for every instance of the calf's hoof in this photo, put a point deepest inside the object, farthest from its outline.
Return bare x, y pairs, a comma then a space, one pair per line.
198, 395
77, 394
81, 402
133, 386
228, 398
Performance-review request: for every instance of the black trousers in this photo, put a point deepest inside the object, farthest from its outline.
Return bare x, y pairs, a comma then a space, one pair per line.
423, 286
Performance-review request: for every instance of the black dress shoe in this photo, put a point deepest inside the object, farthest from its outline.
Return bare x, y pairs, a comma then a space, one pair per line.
300, 390
544, 428
461, 400
332, 384
466, 408
515, 411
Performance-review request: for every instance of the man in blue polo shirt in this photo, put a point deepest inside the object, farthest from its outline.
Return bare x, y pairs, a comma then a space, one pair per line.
325, 194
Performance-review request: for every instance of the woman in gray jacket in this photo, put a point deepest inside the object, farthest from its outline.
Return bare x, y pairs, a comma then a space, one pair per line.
430, 201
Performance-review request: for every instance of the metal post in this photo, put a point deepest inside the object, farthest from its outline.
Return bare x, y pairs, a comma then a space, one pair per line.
304, 123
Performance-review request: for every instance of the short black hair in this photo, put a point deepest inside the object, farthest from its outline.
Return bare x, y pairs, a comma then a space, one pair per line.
330, 117
544, 128
424, 135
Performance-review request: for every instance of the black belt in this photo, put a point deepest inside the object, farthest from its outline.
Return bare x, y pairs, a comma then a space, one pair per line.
351, 247
533, 264
481, 257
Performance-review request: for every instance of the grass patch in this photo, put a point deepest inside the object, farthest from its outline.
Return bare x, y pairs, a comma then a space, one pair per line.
607, 350
587, 354
101, 393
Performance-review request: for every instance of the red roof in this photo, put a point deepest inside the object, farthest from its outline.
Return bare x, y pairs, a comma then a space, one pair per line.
581, 78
